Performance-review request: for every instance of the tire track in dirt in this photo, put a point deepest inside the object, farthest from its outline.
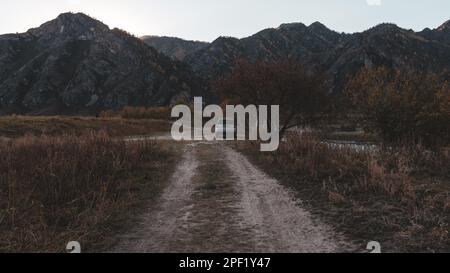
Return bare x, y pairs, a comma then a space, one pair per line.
164, 221
279, 222
217, 201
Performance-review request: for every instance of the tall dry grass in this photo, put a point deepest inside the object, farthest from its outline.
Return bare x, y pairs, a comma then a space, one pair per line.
58, 189
398, 196
19, 126
132, 112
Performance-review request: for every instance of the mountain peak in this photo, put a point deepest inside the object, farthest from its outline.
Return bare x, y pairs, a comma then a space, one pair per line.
73, 16
384, 28
317, 25
292, 26
76, 64
70, 24
80, 20
445, 26
320, 28
225, 39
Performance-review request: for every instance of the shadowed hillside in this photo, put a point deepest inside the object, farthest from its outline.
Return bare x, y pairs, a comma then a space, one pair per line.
75, 64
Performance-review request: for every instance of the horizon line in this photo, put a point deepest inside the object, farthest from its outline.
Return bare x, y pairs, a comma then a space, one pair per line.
231, 36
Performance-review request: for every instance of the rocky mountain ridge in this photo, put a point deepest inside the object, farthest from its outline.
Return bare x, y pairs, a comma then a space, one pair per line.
76, 64
337, 55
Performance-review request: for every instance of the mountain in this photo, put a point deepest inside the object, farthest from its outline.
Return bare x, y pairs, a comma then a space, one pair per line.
175, 48
386, 45
337, 55
445, 27
76, 64
440, 34
293, 41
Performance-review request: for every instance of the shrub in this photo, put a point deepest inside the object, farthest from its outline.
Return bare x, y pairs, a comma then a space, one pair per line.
403, 107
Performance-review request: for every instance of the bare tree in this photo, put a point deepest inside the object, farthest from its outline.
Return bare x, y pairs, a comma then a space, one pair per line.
301, 96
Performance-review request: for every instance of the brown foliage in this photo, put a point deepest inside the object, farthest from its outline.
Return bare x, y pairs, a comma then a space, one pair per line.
403, 107
301, 96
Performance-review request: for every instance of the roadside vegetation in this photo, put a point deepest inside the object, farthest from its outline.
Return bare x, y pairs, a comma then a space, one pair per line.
68, 178
391, 183
400, 197
56, 189
17, 126
403, 108
130, 112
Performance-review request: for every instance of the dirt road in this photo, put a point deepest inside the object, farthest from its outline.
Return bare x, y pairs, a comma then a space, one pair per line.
218, 201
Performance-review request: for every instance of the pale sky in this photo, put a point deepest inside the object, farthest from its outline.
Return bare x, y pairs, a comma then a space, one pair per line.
207, 19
